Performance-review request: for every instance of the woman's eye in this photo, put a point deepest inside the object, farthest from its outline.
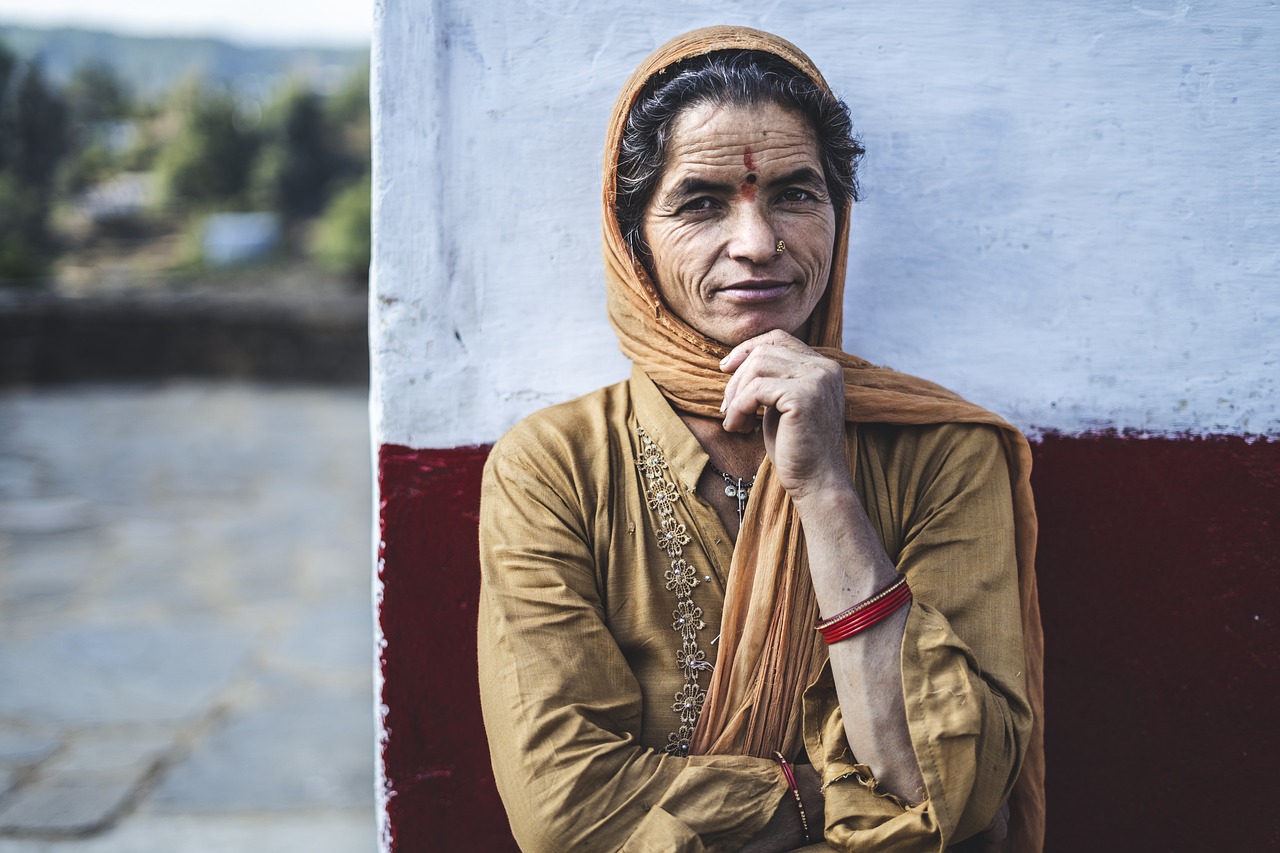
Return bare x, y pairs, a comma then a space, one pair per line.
702, 204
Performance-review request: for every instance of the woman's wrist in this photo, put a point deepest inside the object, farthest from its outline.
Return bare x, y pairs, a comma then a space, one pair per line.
847, 561
833, 497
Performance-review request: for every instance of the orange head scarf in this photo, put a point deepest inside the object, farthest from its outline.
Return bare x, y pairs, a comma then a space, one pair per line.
768, 652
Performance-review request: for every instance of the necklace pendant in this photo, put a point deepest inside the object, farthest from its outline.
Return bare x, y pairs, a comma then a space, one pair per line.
735, 488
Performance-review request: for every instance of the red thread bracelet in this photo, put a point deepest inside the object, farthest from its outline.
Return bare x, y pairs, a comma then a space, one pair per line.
863, 615
795, 792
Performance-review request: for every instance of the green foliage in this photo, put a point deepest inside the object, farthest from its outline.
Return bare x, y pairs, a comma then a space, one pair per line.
39, 137
143, 152
265, 177
342, 240
191, 247
349, 111
298, 163
33, 140
8, 110
22, 231
88, 166
208, 163
96, 94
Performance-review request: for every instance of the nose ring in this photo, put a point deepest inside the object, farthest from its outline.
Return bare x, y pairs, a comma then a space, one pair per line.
782, 247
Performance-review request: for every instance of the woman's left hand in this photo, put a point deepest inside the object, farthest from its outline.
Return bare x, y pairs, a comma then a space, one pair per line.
802, 393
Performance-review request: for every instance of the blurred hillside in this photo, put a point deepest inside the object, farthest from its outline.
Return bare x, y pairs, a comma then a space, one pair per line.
148, 65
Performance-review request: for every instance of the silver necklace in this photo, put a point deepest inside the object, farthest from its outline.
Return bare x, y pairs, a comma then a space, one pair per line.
734, 487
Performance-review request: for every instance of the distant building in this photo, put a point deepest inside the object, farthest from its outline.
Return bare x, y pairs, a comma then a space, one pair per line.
125, 195
235, 238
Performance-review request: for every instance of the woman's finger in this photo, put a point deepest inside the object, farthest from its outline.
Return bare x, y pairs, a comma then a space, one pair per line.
817, 379
803, 394
752, 395
777, 337
802, 439
765, 361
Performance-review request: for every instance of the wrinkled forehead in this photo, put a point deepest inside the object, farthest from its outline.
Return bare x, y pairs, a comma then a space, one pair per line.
751, 136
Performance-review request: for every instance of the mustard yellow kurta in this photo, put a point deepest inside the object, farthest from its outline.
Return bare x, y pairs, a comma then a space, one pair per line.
578, 641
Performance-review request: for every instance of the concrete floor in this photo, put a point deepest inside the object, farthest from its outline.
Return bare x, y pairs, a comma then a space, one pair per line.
185, 623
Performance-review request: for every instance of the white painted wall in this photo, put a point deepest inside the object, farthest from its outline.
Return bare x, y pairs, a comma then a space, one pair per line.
1072, 210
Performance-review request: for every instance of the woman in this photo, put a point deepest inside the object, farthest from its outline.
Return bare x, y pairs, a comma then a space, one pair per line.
677, 536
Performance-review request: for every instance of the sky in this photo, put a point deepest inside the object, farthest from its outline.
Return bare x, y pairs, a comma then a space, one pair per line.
286, 22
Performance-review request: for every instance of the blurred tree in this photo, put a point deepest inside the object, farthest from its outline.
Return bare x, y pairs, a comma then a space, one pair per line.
40, 132
298, 162
208, 162
89, 164
342, 240
99, 105
348, 110
96, 94
149, 137
8, 110
23, 239
33, 140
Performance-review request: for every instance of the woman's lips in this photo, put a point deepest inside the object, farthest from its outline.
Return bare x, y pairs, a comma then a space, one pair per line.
756, 290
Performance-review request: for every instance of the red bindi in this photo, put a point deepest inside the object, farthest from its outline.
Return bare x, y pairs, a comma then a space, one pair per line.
748, 190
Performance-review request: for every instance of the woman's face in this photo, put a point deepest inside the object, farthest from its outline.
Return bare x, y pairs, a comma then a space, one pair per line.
735, 182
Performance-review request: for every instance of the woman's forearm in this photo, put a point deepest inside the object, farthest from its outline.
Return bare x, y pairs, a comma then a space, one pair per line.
848, 565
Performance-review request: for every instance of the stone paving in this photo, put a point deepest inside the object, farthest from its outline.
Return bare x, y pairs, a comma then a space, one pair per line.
185, 626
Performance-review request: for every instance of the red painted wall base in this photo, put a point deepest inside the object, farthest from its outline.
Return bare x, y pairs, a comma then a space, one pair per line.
1160, 597
436, 758
1159, 588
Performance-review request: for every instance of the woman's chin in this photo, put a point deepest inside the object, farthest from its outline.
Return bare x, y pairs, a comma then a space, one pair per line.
737, 333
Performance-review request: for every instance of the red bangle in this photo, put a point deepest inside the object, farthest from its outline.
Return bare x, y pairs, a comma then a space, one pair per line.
864, 614
795, 792
864, 619
861, 605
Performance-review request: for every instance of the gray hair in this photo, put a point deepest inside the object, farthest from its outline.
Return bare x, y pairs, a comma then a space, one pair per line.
726, 78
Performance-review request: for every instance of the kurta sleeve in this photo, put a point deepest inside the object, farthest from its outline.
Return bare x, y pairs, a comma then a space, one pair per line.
561, 705
942, 502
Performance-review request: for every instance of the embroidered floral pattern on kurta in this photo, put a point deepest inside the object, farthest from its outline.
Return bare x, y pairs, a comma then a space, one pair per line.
686, 619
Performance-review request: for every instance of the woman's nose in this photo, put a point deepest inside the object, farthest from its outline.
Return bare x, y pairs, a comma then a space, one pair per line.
752, 237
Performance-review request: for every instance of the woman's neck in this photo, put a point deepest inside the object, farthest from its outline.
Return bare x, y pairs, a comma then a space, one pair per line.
736, 454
